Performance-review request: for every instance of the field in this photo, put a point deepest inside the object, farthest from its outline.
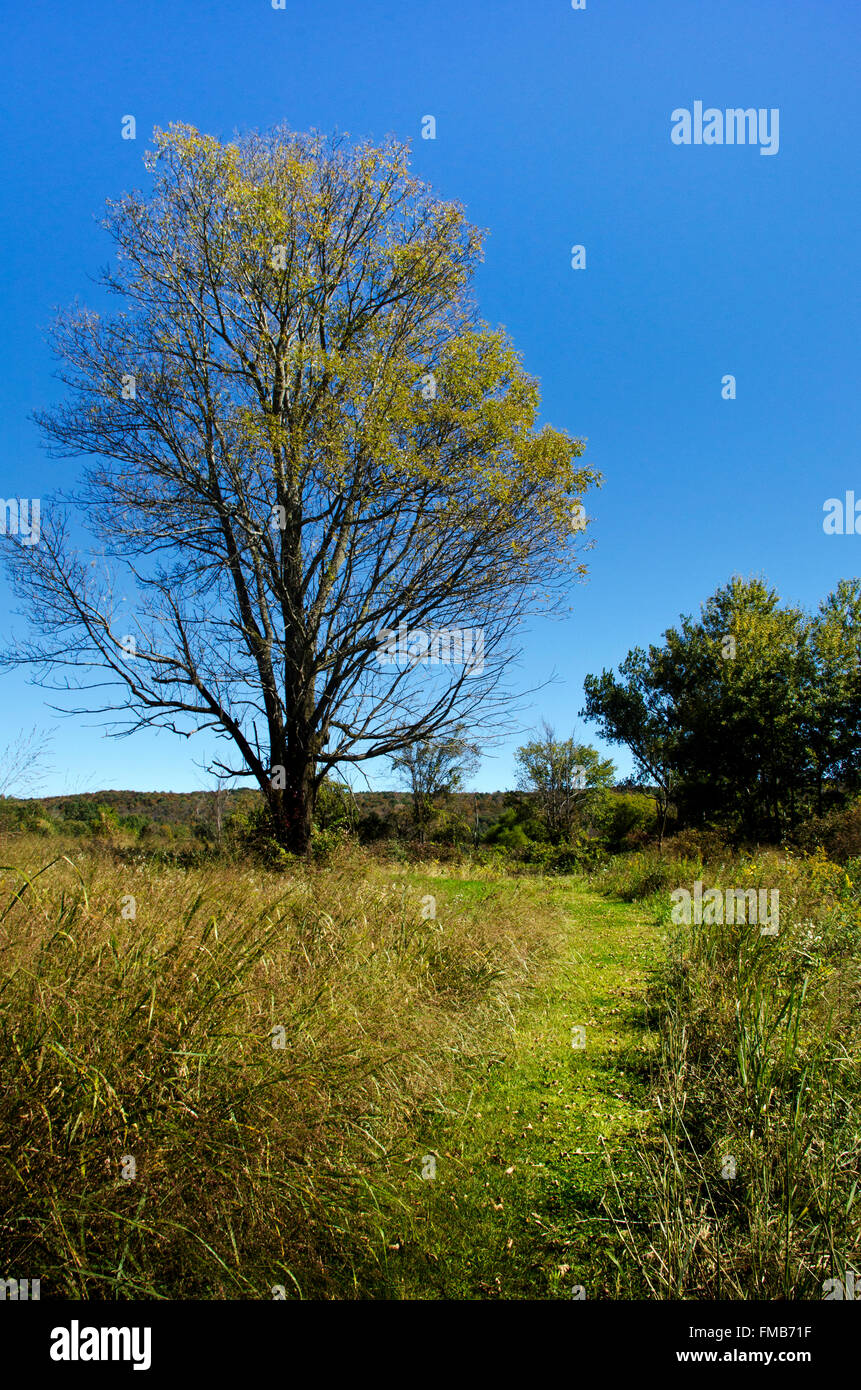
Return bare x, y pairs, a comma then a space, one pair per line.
362, 1079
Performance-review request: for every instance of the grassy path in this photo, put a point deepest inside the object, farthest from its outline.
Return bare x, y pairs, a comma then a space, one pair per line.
523, 1160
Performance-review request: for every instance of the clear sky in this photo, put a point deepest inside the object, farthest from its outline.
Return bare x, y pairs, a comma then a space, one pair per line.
553, 128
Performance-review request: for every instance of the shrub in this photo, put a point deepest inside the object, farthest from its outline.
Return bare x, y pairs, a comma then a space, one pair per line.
705, 845
328, 845
516, 828
510, 837
74, 827
838, 832
623, 818
23, 815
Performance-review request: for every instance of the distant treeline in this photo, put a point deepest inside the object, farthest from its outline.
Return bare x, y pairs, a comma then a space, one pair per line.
513, 823
185, 808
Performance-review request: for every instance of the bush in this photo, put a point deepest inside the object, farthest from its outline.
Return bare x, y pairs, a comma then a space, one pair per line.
250, 833
623, 818
706, 845
328, 845
103, 822
24, 815
516, 828
510, 837
838, 832
74, 827
335, 808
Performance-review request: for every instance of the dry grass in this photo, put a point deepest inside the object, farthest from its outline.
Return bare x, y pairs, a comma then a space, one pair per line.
136, 1021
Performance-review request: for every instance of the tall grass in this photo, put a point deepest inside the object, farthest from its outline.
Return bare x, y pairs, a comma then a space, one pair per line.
141, 1012
753, 1168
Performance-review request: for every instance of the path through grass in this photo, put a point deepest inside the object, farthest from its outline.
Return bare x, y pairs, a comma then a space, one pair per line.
519, 1204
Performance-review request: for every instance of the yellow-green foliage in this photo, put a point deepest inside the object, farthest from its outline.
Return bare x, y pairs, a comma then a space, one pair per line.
218, 215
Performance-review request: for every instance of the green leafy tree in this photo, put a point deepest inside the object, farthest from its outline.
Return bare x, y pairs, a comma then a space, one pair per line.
835, 723
564, 778
740, 680
508, 832
335, 807
749, 714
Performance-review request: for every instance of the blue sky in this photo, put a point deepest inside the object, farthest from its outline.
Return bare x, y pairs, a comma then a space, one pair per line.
553, 129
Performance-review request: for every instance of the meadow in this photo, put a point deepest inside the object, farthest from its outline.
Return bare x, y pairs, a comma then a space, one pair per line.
364, 1078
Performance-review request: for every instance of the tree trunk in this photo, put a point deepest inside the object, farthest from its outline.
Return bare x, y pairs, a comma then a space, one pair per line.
662, 806
291, 809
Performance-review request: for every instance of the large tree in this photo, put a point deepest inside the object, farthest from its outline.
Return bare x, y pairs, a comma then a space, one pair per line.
301, 437
835, 724
740, 680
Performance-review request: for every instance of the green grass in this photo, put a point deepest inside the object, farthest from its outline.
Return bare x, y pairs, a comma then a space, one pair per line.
531, 1157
